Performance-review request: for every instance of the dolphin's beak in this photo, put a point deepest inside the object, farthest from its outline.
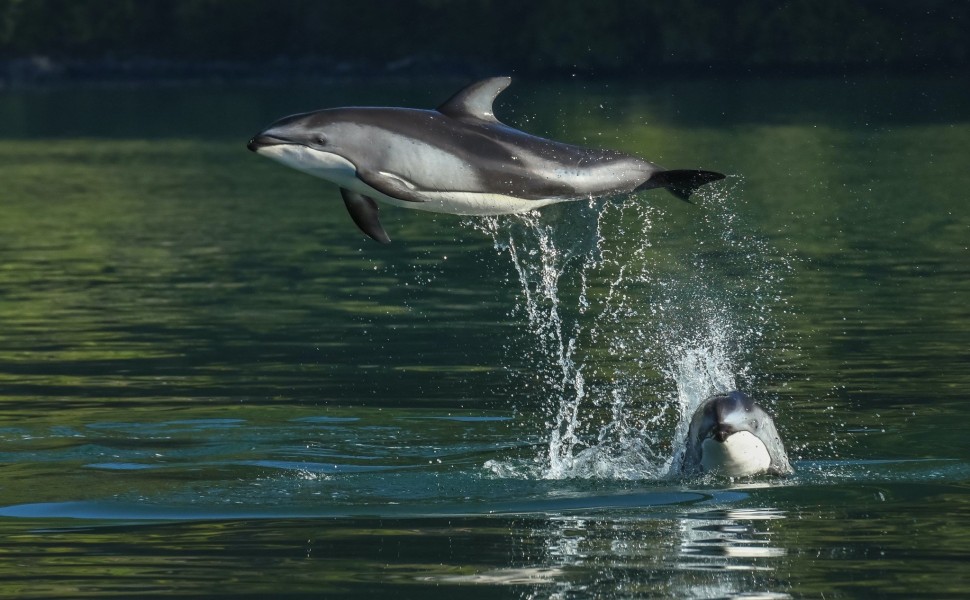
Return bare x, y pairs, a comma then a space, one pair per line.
262, 141
722, 432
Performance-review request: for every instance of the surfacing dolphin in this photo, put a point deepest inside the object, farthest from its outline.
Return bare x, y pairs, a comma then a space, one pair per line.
458, 159
731, 435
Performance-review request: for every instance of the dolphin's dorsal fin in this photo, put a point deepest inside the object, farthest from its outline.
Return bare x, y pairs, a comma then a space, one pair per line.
475, 101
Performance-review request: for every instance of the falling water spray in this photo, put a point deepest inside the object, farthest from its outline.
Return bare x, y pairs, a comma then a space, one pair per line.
630, 328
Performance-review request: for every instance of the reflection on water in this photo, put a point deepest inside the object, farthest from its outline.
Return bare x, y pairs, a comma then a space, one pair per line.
212, 385
713, 538
705, 553
715, 546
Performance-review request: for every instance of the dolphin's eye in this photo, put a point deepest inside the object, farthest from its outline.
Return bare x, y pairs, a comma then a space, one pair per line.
319, 139
754, 424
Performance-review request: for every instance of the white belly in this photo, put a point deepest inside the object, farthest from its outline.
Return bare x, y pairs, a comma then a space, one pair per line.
342, 172
463, 203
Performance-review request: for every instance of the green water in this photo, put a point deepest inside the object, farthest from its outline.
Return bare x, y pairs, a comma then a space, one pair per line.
212, 385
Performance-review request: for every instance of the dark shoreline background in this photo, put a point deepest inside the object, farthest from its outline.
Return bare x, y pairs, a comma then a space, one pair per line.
54, 41
43, 71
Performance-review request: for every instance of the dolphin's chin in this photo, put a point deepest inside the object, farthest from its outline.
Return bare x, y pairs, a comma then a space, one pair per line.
325, 165
741, 454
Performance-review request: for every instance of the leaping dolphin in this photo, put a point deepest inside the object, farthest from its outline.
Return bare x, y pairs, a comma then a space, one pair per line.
731, 435
458, 159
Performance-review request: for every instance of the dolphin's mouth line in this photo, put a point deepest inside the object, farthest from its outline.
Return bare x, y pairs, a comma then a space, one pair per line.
721, 433
264, 141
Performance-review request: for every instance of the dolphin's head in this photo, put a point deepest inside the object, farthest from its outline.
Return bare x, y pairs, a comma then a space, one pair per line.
308, 142
305, 129
731, 435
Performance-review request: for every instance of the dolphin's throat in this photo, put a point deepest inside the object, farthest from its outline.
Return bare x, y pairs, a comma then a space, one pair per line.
325, 165
740, 455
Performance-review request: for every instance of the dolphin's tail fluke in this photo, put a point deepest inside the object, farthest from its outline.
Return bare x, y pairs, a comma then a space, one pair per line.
680, 182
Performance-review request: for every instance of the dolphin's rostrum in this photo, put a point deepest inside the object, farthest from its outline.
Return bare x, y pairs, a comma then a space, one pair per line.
457, 159
732, 435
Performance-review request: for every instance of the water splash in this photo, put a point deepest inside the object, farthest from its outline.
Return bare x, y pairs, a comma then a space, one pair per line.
629, 332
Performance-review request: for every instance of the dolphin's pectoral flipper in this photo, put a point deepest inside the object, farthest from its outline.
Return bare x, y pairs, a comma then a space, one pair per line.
475, 101
680, 182
364, 212
390, 184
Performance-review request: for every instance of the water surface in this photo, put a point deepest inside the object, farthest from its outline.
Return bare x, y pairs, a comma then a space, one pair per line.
212, 385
